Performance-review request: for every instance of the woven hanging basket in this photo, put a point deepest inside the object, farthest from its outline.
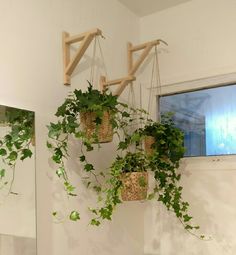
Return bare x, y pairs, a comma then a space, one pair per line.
104, 131
148, 142
132, 190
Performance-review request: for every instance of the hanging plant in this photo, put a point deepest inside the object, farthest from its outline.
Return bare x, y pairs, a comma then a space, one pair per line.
134, 176
163, 162
164, 159
91, 117
16, 143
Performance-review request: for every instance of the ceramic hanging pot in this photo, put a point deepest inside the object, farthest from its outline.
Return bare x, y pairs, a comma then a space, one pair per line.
148, 142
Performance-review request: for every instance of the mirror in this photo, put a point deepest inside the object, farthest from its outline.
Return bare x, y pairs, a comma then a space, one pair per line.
17, 182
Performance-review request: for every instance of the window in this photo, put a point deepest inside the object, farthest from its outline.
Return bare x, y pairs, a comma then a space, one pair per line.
207, 117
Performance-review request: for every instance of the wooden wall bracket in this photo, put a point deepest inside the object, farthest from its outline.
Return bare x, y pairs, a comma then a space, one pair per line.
104, 83
71, 63
133, 66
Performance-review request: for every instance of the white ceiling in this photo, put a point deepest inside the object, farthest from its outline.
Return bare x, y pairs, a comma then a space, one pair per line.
146, 7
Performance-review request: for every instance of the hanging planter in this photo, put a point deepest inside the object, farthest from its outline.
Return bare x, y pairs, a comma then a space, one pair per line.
129, 178
134, 186
149, 141
104, 131
134, 176
97, 112
90, 117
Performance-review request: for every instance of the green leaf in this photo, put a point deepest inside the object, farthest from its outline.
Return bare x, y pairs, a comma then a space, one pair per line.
82, 158
49, 145
60, 172
94, 211
122, 145
54, 214
135, 137
88, 167
187, 218
106, 212
188, 227
125, 114
97, 188
95, 222
2, 173
88, 146
74, 216
142, 181
26, 153
3, 152
57, 156
151, 196
13, 156
69, 189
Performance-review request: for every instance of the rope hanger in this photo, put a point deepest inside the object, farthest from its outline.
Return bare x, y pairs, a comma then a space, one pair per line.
96, 45
155, 70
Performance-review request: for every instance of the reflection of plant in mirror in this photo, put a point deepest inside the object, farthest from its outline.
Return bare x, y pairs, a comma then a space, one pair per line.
15, 144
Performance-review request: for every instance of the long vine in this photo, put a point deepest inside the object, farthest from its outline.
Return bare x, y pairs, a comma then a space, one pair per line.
16, 143
69, 125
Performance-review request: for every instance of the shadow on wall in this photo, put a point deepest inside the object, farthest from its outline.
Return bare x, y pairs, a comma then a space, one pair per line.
11, 245
212, 209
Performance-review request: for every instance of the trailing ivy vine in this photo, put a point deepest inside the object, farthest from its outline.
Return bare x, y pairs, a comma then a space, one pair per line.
15, 144
68, 125
163, 162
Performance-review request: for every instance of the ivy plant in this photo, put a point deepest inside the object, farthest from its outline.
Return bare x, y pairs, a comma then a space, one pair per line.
17, 140
109, 195
164, 162
68, 125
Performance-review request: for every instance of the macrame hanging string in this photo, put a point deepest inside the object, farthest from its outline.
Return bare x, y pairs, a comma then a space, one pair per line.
93, 64
131, 96
155, 75
93, 61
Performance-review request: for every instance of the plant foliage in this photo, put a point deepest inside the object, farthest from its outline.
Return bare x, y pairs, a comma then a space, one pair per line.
15, 144
68, 125
164, 162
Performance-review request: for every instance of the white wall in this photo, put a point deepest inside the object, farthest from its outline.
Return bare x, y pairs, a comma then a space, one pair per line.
200, 36
202, 42
31, 77
11, 245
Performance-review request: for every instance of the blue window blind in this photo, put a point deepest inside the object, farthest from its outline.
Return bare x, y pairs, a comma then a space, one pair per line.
207, 117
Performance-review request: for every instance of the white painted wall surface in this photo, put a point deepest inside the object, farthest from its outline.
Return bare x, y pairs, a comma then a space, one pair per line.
31, 77
11, 245
202, 42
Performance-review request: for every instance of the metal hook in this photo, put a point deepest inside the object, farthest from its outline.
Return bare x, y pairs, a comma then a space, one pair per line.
160, 40
103, 37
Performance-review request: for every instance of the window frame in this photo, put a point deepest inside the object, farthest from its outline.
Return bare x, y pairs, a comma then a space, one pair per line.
200, 162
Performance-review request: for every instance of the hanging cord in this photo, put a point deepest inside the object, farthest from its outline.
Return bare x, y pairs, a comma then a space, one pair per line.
131, 96
155, 70
158, 79
93, 61
151, 88
103, 59
141, 104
